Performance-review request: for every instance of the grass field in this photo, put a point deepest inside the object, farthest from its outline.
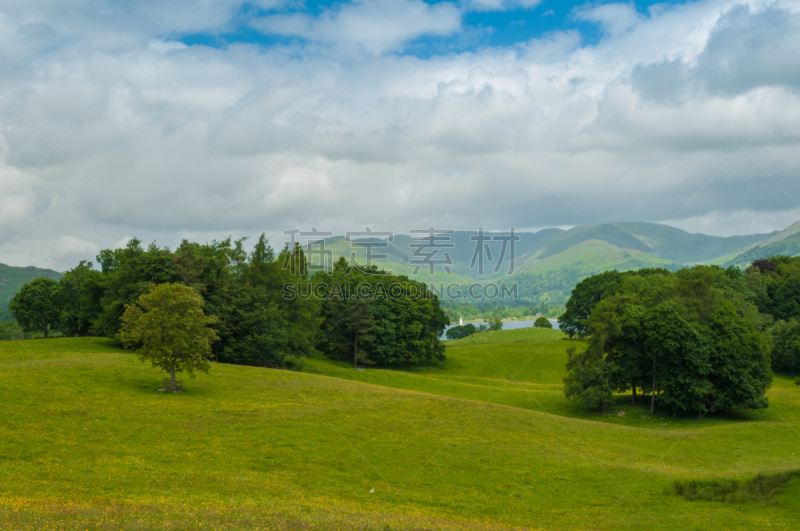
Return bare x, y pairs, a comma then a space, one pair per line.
485, 442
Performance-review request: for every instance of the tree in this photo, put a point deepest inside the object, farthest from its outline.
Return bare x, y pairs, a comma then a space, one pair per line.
691, 339
35, 306
585, 296
460, 332
127, 274
258, 331
740, 364
495, 323
786, 299
588, 379
786, 347
79, 295
168, 328
360, 322
542, 322
408, 320
681, 358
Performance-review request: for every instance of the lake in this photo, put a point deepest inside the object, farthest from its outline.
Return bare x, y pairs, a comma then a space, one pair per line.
509, 325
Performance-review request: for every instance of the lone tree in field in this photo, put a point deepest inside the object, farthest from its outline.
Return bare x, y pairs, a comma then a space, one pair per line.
35, 306
542, 322
167, 326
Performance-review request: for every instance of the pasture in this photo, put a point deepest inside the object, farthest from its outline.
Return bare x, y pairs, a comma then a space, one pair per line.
487, 441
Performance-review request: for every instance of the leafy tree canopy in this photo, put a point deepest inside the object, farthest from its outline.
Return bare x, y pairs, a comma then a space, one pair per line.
687, 338
168, 328
35, 306
542, 322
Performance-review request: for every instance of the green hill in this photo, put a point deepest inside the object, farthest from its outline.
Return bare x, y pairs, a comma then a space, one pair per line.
552, 278
785, 242
663, 241
13, 278
486, 442
550, 262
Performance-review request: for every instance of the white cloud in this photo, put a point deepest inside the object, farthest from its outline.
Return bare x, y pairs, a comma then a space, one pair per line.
167, 142
374, 25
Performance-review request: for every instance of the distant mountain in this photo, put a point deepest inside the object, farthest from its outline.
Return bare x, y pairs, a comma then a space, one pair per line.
13, 278
663, 241
550, 262
785, 242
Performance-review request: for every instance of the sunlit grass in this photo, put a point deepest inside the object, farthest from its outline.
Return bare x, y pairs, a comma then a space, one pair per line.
485, 442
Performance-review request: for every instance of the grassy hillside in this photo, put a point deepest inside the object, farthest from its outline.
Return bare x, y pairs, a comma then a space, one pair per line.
13, 278
400, 254
666, 242
785, 242
549, 263
553, 278
89, 443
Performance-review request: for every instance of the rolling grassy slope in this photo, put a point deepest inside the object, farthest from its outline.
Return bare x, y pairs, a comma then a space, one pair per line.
88, 443
785, 242
593, 256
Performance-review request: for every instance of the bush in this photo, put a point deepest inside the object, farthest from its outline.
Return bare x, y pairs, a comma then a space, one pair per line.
9, 331
460, 332
294, 363
760, 488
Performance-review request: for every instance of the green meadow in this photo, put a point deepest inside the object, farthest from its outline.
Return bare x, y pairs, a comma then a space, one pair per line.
486, 441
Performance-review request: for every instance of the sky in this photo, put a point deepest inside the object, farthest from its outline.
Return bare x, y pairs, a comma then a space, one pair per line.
186, 119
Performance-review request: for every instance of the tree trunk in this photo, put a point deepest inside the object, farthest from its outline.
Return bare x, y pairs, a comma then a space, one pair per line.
45, 330
674, 413
699, 414
633, 401
172, 374
355, 354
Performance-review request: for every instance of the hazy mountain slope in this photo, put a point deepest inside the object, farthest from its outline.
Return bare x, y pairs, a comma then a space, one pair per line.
553, 278
594, 256
686, 248
400, 253
786, 242
13, 278
605, 232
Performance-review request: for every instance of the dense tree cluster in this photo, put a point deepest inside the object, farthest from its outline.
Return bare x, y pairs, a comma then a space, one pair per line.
267, 309
691, 339
372, 317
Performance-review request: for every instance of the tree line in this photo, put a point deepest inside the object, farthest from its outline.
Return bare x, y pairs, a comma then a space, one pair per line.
697, 339
257, 318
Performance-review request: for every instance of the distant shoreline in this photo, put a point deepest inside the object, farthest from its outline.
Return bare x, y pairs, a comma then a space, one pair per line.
505, 320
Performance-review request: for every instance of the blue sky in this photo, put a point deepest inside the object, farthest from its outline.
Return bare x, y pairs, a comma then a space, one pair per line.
481, 28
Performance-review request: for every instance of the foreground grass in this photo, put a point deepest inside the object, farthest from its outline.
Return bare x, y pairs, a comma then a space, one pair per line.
87, 442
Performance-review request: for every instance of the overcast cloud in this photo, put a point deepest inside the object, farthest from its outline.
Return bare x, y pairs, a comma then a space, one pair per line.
111, 126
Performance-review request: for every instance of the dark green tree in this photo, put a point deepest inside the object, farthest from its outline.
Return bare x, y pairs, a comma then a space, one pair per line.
542, 322
460, 332
35, 306
786, 347
127, 274
79, 294
585, 296
408, 318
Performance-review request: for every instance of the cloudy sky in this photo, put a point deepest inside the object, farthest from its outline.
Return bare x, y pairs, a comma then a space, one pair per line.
195, 119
